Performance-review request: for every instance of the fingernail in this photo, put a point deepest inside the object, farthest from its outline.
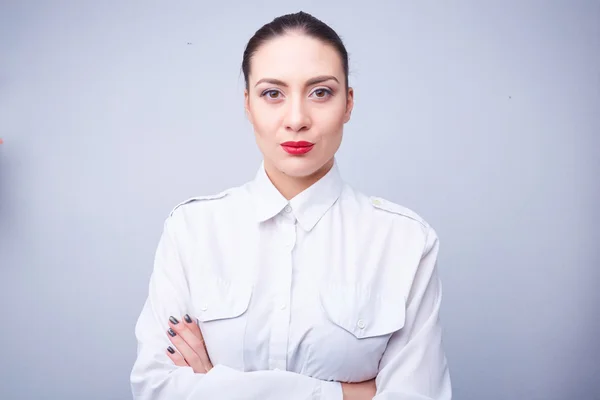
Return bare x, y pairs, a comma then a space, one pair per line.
187, 318
173, 320
170, 350
171, 332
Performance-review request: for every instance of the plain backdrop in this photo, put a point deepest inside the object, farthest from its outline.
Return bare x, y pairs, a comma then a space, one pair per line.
483, 117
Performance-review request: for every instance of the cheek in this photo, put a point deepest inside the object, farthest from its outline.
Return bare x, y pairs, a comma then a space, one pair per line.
331, 120
265, 120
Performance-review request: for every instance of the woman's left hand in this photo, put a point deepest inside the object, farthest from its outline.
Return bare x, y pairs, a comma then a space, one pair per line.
187, 339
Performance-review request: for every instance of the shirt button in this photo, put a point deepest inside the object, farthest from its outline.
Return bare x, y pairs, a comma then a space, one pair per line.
288, 209
361, 324
283, 306
204, 307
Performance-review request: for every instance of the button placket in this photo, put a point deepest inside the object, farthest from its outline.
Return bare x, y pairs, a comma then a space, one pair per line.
281, 318
289, 229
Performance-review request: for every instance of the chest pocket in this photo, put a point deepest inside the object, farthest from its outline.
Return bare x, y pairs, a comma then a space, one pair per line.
358, 325
221, 306
362, 312
217, 298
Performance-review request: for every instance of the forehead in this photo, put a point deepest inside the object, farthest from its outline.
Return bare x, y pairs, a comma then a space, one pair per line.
295, 57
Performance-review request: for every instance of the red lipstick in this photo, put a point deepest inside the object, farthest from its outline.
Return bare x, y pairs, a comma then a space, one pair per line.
297, 148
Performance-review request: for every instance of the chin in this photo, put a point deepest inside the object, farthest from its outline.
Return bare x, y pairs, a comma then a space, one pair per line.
299, 167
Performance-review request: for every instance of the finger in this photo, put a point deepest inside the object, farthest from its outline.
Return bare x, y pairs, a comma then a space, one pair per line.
192, 325
176, 357
195, 329
195, 342
186, 351
189, 346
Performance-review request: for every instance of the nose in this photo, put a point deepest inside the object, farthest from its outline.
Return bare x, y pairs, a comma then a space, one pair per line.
297, 117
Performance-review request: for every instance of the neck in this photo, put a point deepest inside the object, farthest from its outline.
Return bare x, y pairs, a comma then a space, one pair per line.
291, 186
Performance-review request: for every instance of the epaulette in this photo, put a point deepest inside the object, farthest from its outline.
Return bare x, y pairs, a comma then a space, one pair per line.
394, 208
199, 198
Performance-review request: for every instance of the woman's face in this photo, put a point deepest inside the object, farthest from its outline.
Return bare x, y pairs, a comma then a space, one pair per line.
297, 103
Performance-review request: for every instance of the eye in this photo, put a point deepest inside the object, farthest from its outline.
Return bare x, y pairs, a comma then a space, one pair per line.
322, 93
272, 94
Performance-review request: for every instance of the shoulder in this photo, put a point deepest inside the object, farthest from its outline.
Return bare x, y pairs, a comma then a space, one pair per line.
389, 209
381, 207
198, 216
396, 211
193, 202
227, 199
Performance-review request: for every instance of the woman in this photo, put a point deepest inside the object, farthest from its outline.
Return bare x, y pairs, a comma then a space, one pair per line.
294, 285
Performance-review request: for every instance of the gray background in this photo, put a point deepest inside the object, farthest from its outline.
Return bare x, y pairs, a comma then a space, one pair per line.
482, 117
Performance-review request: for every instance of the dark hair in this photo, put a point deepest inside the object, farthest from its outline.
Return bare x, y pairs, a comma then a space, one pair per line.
301, 22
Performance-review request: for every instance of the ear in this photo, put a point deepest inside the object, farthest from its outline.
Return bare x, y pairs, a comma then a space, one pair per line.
247, 106
349, 104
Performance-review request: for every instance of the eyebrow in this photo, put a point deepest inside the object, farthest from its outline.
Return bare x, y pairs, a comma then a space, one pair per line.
312, 81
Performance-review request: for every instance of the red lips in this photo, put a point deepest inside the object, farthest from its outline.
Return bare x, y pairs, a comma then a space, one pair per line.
297, 148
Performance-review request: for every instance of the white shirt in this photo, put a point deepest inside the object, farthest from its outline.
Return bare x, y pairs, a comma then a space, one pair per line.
294, 297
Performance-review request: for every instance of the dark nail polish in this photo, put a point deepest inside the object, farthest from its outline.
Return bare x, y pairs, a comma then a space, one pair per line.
171, 332
173, 320
170, 350
188, 319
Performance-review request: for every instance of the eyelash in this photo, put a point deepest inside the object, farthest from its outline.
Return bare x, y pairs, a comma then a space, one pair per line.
327, 91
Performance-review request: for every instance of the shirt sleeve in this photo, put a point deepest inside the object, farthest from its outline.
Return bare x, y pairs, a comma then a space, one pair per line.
155, 377
414, 365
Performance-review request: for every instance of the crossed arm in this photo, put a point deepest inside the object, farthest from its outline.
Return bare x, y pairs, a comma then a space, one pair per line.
413, 366
188, 349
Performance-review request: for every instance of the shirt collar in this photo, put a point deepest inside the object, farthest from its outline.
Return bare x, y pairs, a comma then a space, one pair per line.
308, 207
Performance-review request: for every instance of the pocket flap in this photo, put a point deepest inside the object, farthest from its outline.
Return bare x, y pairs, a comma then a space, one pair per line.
218, 298
363, 312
